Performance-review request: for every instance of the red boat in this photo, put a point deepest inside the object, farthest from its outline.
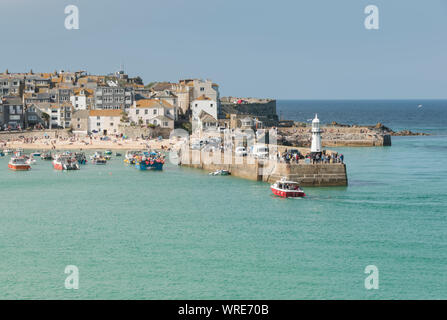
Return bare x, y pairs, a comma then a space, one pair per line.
18, 164
65, 162
287, 189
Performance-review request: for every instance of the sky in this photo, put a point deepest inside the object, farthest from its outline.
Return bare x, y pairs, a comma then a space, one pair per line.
283, 49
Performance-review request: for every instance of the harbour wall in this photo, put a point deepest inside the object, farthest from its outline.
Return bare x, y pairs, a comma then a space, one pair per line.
315, 175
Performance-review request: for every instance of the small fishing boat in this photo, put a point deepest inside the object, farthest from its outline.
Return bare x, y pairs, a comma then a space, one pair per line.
107, 157
220, 173
130, 157
287, 189
118, 154
35, 154
2, 154
8, 151
80, 157
18, 164
46, 156
98, 158
144, 163
65, 162
108, 152
30, 160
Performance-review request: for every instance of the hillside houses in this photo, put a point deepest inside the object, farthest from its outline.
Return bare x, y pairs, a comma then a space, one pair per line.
65, 99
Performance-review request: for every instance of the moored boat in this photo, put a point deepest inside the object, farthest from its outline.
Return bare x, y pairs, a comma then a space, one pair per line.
130, 157
8, 151
65, 162
287, 189
30, 160
221, 172
98, 158
18, 164
80, 157
108, 152
46, 156
149, 161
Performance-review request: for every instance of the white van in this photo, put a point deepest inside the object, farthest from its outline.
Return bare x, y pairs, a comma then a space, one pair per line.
260, 151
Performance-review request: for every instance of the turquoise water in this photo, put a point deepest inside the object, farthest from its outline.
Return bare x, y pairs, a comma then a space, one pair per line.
181, 234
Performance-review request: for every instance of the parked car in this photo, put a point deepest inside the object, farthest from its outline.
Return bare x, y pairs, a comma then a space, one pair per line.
240, 152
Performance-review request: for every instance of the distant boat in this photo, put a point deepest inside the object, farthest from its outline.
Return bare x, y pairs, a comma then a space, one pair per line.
420, 106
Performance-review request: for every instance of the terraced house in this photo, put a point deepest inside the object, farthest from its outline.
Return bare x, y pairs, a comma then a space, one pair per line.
153, 112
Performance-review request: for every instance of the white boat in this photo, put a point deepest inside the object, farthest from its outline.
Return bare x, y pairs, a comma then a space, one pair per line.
18, 164
30, 161
220, 173
287, 189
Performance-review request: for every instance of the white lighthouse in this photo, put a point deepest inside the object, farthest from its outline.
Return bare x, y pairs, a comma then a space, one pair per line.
316, 135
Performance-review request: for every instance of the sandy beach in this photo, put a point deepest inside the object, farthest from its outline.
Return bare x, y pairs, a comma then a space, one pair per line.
86, 144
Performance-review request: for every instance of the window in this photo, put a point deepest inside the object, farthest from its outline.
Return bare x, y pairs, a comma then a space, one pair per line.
98, 118
211, 104
137, 111
78, 126
165, 124
111, 124
155, 111
98, 124
79, 119
202, 89
146, 111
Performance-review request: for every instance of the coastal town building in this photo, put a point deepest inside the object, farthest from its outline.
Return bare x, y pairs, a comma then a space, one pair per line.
153, 112
10, 86
34, 116
206, 104
113, 96
79, 121
82, 98
12, 111
104, 121
206, 121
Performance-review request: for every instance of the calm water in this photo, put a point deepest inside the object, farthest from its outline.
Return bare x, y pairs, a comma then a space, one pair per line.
396, 114
183, 234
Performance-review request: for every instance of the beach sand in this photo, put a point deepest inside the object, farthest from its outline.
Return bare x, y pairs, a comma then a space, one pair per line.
87, 144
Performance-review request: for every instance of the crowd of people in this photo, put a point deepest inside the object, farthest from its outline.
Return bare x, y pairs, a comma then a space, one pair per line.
313, 158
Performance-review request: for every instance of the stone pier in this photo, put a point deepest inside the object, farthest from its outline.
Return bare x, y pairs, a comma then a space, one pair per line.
315, 175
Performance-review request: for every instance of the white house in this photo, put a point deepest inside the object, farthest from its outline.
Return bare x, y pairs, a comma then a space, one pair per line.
207, 121
153, 111
104, 121
82, 98
206, 104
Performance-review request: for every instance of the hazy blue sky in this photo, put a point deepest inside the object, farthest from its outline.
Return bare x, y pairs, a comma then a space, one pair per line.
305, 49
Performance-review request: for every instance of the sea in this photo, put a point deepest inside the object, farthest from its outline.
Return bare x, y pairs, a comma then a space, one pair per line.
182, 234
